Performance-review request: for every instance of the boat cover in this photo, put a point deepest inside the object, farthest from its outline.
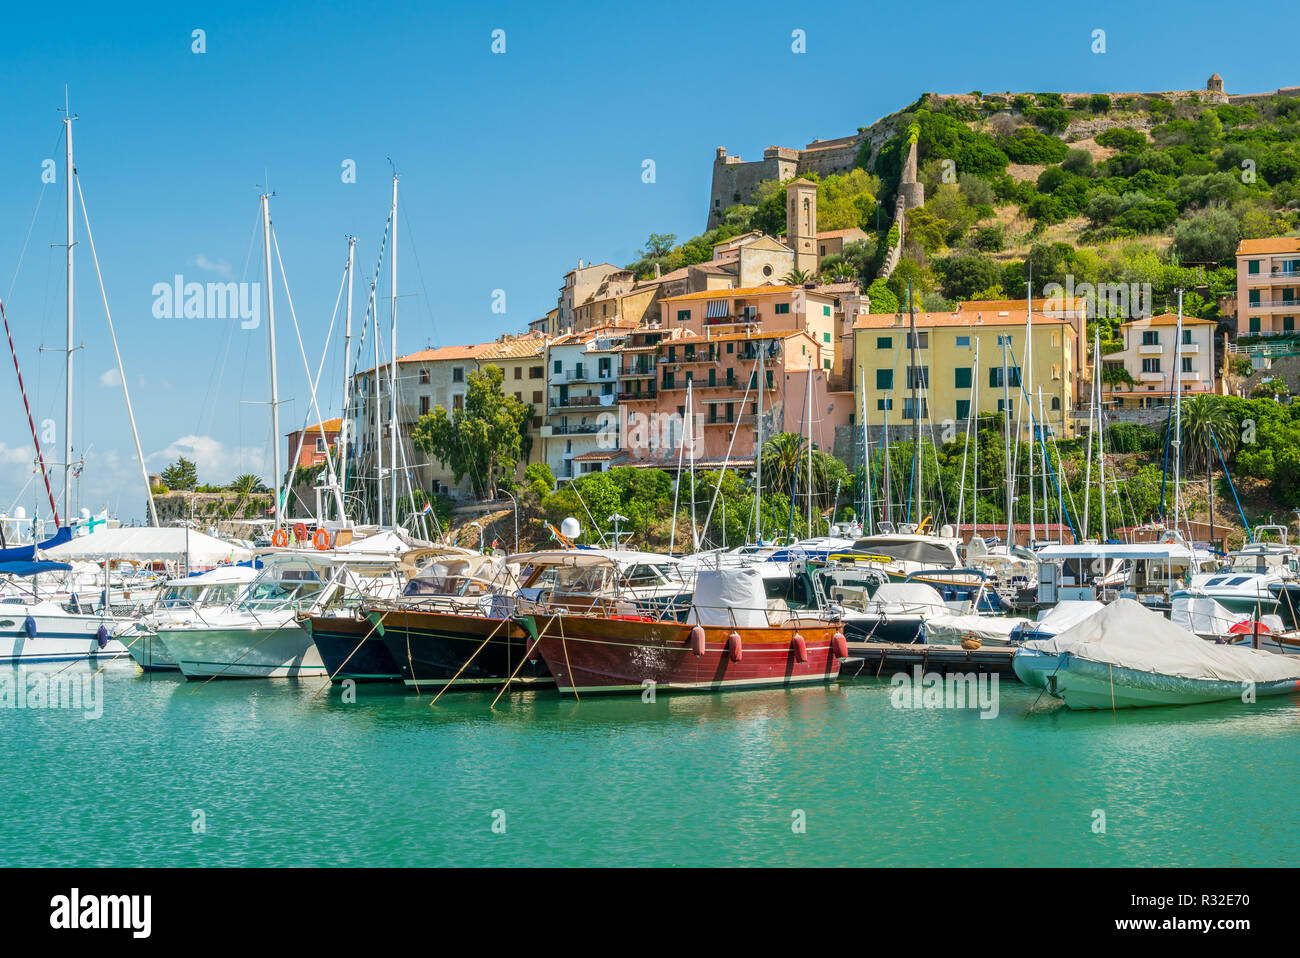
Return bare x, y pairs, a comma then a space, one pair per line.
147, 544
725, 597
989, 629
901, 596
1126, 635
1066, 614
1203, 615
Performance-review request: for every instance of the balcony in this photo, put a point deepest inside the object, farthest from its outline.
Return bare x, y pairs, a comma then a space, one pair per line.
579, 429
1150, 349
643, 396
1275, 306
1151, 377
582, 402
746, 420
632, 372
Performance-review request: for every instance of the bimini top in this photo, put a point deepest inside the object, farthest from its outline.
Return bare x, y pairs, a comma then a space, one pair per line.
590, 557
32, 568
1120, 550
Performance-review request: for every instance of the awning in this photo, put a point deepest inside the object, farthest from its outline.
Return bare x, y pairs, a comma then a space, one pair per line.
32, 568
148, 544
717, 309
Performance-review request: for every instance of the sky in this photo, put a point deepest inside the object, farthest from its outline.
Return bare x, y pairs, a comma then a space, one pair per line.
513, 165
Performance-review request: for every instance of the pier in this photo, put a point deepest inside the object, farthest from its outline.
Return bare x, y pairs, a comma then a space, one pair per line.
881, 658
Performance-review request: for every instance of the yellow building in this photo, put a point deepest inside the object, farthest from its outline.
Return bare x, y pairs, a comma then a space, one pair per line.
948, 377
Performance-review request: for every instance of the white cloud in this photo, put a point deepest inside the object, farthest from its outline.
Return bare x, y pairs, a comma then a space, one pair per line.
218, 266
216, 462
110, 377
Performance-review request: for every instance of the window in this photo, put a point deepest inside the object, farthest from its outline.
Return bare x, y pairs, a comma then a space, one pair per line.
519, 372
1187, 364
537, 395
826, 337
918, 377
922, 340
1004, 339
1288, 324
519, 396
909, 409
963, 377
603, 366
781, 308
320, 440
826, 363
963, 341
995, 378
1187, 337
458, 374
559, 367
457, 401
823, 249
683, 315
1252, 267
1151, 365
884, 379
731, 348
884, 404
963, 408
1254, 324
424, 404
1254, 297
1150, 337
536, 372
884, 342
826, 310
424, 377
1056, 403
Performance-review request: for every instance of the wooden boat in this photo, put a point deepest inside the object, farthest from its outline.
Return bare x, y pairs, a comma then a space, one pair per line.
727, 641
435, 649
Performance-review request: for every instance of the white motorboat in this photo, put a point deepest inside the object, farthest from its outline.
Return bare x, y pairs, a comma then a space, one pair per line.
183, 600
38, 629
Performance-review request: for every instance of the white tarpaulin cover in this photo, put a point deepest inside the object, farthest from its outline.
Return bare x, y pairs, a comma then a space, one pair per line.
1126, 635
989, 629
149, 544
1204, 616
726, 597
1067, 614
900, 598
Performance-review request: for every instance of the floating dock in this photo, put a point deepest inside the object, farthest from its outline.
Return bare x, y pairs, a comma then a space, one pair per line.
885, 658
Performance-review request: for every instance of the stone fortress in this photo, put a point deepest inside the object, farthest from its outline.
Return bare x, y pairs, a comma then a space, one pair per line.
734, 180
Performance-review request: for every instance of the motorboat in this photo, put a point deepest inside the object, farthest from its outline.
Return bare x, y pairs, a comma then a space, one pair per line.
183, 600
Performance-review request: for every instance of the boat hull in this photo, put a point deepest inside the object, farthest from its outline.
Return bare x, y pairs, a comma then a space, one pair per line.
67, 638
150, 652
263, 652
590, 655
467, 651
352, 649
1084, 684
1036, 669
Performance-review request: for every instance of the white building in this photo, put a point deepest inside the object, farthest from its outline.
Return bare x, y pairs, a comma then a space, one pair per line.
1151, 352
580, 434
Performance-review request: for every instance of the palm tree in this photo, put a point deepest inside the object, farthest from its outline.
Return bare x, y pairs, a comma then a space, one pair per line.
1208, 428
797, 277
785, 465
244, 486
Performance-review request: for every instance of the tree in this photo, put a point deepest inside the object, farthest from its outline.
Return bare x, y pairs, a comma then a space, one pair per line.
658, 244
1203, 415
485, 439
244, 486
797, 277
181, 474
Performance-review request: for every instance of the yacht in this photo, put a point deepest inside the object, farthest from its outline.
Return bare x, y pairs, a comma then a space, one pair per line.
188, 599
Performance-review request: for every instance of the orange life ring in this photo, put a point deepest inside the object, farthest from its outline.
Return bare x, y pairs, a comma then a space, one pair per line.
279, 538
299, 532
321, 540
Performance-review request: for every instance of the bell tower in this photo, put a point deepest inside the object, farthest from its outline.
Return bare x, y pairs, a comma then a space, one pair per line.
801, 224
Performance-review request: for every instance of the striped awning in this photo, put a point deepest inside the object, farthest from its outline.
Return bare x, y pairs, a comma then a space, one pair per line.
717, 309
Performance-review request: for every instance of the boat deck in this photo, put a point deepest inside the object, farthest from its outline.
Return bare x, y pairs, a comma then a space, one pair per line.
881, 658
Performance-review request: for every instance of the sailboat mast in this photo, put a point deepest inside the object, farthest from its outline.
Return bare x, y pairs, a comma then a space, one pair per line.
347, 380
1028, 387
67, 401
392, 365
866, 455
758, 452
914, 374
808, 416
1006, 432
275, 383
1178, 414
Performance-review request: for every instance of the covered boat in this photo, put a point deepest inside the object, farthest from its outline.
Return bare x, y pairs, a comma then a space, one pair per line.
1126, 656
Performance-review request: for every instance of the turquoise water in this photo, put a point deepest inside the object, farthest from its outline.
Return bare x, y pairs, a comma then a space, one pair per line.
281, 778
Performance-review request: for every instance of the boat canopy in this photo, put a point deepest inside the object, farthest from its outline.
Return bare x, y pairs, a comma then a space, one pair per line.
729, 597
1137, 550
1126, 635
148, 544
33, 568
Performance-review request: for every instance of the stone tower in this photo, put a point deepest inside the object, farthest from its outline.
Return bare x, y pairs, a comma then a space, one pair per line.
801, 224
1215, 84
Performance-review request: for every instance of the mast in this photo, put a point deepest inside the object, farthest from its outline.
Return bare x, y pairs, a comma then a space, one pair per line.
1042, 445
67, 399
914, 375
347, 378
884, 468
758, 453
1028, 387
1092, 415
808, 414
1178, 413
275, 384
392, 367
866, 455
1006, 433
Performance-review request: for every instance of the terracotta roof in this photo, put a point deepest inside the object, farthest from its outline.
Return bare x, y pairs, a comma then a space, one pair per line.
973, 318
831, 234
1272, 244
520, 348
1171, 319
445, 352
600, 455
329, 425
733, 293
984, 305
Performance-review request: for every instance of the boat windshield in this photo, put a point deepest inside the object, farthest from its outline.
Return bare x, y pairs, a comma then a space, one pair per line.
179, 596
1256, 562
457, 585
279, 588
933, 554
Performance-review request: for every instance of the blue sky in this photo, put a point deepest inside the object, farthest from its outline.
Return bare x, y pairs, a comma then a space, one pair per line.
513, 166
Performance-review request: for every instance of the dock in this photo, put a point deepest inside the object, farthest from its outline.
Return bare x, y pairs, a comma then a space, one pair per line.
885, 658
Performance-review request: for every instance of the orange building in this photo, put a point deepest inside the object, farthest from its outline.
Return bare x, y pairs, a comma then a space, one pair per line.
314, 443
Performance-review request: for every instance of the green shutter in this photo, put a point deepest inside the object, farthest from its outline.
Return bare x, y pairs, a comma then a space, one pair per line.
884, 379
963, 377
